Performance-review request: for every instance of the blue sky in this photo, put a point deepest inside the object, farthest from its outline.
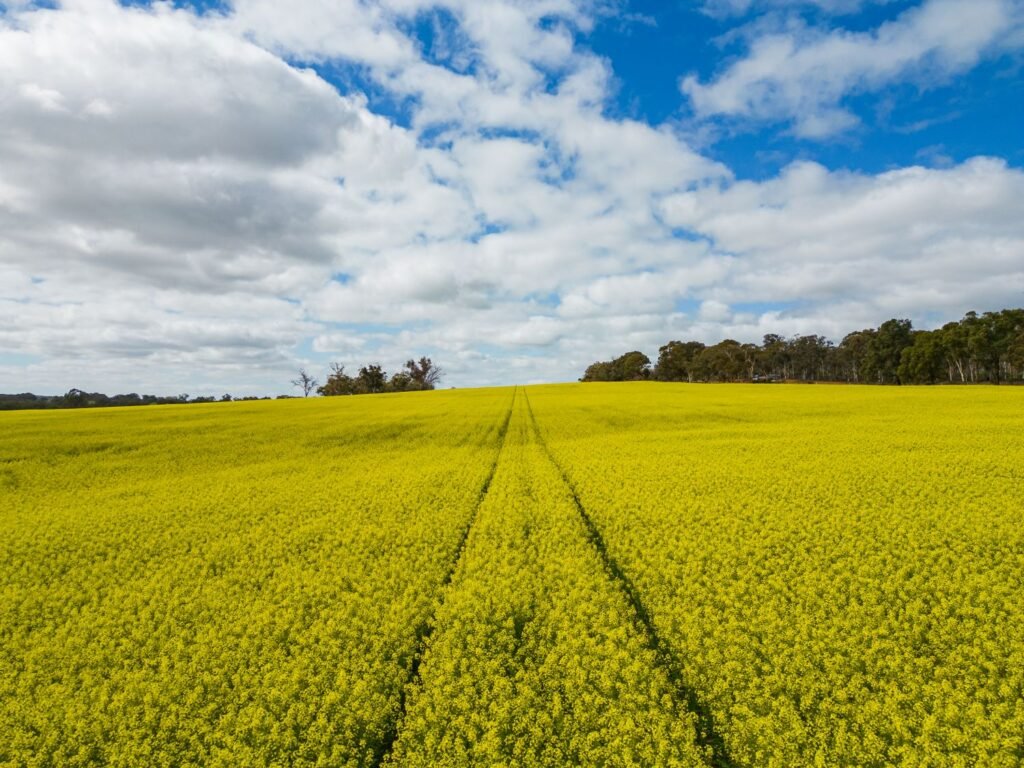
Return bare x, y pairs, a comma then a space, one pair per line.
204, 196
650, 45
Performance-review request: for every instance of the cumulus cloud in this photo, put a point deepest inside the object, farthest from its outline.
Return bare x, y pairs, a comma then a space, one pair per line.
852, 248
152, 157
187, 173
803, 76
186, 206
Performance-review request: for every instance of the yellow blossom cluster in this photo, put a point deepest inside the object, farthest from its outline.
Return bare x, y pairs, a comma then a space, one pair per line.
536, 658
231, 584
636, 574
839, 571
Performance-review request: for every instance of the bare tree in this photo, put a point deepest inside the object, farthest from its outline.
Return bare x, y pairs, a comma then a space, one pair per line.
305, 382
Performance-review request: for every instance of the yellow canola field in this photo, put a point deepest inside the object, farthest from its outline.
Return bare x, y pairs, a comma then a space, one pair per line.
234, 584
603, 574
839, 571
536, 659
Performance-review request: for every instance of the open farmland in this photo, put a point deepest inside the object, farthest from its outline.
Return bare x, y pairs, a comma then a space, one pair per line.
621, 575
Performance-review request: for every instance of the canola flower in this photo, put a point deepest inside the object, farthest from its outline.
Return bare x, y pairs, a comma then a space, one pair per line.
833, 576
226, 585
838, 570
536, 659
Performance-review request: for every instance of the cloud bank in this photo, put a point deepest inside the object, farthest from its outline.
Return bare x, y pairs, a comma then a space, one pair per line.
186, 204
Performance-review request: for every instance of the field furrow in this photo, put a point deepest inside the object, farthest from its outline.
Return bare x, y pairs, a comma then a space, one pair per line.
687, 698
423, 632
537, 658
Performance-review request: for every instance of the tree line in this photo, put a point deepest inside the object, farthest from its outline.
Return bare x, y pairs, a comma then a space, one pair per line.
415, 375
77, 398
986, 348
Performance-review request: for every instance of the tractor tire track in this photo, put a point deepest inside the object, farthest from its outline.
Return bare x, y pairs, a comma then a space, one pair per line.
708, 736
426, 629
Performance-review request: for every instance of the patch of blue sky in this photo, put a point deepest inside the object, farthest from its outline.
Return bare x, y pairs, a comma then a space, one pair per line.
439, 135
981, 113
441, 39
868, 17
558, 167
688, 236
527, 135
200, 7
305, 349
351, 78
551, 299
931, 320
687, 306
972, 113
18, 359
765, 307
6, 8
550, 22
648, 60
486, 228
441, 42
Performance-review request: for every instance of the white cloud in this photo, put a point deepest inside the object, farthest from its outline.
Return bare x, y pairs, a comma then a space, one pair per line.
162, 176
181, 209
725, 8
854, 248
714, 311
803, 76
325, 29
